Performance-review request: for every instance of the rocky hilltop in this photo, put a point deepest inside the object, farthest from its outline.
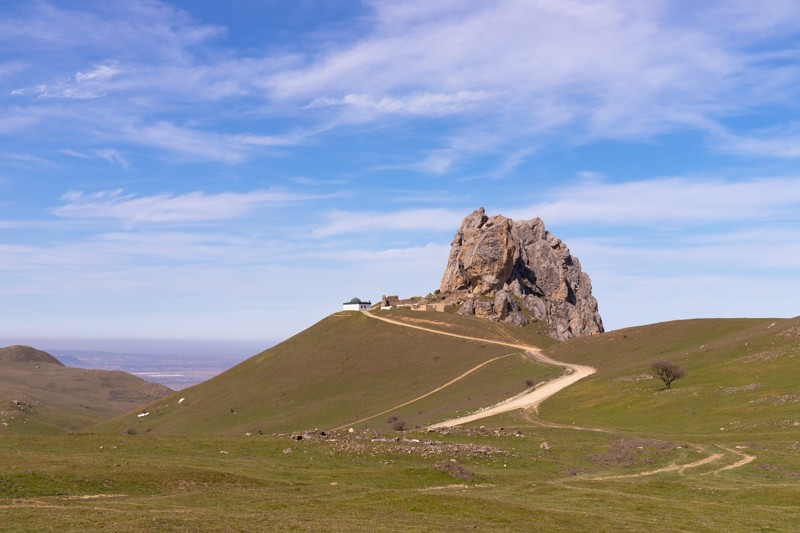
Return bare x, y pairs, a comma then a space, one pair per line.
517, 271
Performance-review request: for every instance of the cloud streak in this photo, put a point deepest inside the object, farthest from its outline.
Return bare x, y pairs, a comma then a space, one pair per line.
675, 201
208, 146
425, 103
108, 155
82, 86
190, 207
425, 220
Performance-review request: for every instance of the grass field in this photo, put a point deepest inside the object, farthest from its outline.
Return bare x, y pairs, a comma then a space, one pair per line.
614, 452
507, 483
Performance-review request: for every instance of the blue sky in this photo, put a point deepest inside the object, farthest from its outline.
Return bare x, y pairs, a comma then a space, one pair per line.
196, 170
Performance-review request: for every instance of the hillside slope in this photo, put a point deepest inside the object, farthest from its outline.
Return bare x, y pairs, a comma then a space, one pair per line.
26, 354
40, 395
741, 378
343, 369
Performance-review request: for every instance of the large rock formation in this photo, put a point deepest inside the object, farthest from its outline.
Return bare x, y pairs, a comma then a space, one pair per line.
516, 272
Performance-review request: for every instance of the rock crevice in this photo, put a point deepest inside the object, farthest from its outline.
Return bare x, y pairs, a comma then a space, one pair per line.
517, 271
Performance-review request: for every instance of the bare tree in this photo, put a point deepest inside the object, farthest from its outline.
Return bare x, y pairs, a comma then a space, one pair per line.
667, 372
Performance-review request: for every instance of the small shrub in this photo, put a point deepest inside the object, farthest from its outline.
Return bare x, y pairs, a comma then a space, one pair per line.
130, 430
454, 469
529, 383
397, 423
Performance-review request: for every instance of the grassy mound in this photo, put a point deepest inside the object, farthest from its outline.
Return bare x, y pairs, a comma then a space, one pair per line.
340, 371
50, 398
27, 354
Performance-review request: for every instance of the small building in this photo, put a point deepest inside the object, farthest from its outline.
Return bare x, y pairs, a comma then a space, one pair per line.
356, 305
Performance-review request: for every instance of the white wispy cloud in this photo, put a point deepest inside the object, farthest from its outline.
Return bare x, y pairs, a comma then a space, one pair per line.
781, 141
110, 155
27, 159
439, 161
570, 71
207, 145
704, 251
125, 72
189, 207
425, 103
608, 69
672, 202
677, 201
432, 255
710, 272
99, 72
81, 86
428, 220
155, 27
17, 120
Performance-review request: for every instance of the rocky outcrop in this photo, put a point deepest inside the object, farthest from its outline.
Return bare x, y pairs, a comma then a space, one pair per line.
517, 271
389, 301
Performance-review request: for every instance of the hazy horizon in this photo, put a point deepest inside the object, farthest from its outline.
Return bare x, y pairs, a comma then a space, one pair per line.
176, 363
196, 347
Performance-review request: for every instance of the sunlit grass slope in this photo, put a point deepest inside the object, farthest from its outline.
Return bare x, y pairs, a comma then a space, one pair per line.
341, 370
741, 378
534, 334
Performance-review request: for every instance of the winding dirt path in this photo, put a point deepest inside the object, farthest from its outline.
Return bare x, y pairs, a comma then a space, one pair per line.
679, 468
532, 400
682, 468
437, 389
745, 459
526, 400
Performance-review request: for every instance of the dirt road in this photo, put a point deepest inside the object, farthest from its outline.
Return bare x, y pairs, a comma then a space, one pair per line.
532, 399
526, 400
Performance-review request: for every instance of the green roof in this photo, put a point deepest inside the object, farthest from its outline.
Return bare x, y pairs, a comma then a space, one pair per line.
357, 301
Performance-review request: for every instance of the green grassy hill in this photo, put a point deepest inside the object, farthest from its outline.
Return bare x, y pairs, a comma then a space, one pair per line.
39, 395
741, 377
614, 452
346, 368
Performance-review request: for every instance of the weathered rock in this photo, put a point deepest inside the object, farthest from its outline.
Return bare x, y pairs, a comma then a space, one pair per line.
519, 268
389, 301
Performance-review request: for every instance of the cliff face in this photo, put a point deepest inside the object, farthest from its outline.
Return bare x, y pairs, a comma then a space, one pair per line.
499, 269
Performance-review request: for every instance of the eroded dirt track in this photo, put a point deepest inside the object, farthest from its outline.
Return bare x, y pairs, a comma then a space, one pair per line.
527, 400
532, 399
